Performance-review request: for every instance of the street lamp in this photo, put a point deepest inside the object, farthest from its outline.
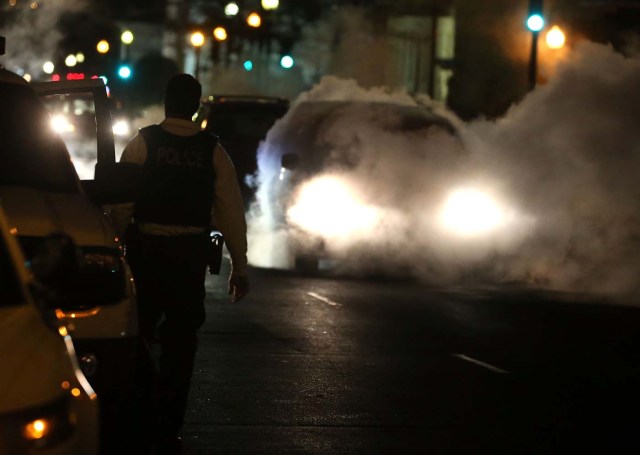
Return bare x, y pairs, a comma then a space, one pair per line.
70, 60
555, 38
270, 4
48, 67
197, 40
254, 20
220, 33
102, 47
127, 39
231, 9
535, 23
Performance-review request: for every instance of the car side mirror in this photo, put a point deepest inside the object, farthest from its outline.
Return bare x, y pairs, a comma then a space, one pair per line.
73, 279
114, 183
290, 161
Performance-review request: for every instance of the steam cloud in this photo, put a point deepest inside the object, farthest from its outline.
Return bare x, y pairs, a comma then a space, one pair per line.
565, 158
32, 38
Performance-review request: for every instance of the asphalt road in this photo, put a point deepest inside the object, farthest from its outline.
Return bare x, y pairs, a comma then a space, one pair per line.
324, 365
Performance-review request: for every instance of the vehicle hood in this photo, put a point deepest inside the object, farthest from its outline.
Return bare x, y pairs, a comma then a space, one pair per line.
34, 360
32, 212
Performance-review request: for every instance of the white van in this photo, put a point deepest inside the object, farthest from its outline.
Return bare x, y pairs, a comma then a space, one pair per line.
42, 193
47, 405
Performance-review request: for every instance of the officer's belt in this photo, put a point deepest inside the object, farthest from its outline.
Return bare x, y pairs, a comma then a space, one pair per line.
169, 229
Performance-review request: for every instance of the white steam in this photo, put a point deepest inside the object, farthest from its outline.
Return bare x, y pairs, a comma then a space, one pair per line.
32, 38
570, 153
564, 161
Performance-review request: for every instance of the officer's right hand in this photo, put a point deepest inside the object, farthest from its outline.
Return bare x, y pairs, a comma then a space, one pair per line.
238, 286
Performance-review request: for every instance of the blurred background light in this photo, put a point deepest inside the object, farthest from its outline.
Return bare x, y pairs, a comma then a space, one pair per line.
220, 33
231, 9
286, 61
270, 4
197, 39
555, 38
102, 47
254, 20
127, 37
48, 67
535, 22
71, 60
124, 71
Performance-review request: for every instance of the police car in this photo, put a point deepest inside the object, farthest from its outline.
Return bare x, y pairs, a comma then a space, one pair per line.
42, 193
47, 405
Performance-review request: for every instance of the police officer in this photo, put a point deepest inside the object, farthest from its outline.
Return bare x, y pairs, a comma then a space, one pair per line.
188, 185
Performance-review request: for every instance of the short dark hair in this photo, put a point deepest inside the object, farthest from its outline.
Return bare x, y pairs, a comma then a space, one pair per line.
182, 95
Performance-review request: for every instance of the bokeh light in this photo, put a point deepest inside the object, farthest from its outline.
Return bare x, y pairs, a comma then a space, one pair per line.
48, 67
102, 46
231, 9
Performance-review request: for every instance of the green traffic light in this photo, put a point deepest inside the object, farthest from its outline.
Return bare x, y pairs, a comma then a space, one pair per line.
124, 72
535, 22
286, 61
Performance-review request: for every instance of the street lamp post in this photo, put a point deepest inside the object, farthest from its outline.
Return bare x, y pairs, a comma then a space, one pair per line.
533, 61
127, 39
197, 40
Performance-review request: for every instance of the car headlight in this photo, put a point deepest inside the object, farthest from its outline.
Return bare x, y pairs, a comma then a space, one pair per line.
471, 212
121, 128
327, 206
61, 124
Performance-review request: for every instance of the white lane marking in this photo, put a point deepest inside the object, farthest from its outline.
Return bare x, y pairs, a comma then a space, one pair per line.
480, 363
323, 299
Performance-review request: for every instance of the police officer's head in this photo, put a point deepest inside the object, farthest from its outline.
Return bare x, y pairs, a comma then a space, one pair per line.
182, 96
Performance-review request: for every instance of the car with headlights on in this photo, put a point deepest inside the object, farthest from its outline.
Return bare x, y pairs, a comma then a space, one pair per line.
241, 122
73, 117
47, 406
371, 185
41, 193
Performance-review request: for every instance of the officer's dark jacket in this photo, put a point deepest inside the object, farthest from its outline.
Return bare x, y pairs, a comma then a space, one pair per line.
178, 179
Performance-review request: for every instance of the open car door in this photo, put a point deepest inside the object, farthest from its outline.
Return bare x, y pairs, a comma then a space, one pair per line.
81, 113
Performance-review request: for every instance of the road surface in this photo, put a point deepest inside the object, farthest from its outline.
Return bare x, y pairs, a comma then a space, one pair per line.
326, 365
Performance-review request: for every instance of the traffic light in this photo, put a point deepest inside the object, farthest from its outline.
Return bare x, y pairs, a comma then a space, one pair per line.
286, 61
535, 23
535, 18
124, 71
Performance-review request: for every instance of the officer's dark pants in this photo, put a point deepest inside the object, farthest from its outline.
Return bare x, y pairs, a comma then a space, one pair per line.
169, 273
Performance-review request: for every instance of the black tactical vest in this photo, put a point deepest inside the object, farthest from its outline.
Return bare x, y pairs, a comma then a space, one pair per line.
178, 178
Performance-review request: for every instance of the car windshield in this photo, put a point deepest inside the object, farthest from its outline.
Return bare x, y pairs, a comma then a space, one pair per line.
312, 127
249, 121
73, 117
31, 154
